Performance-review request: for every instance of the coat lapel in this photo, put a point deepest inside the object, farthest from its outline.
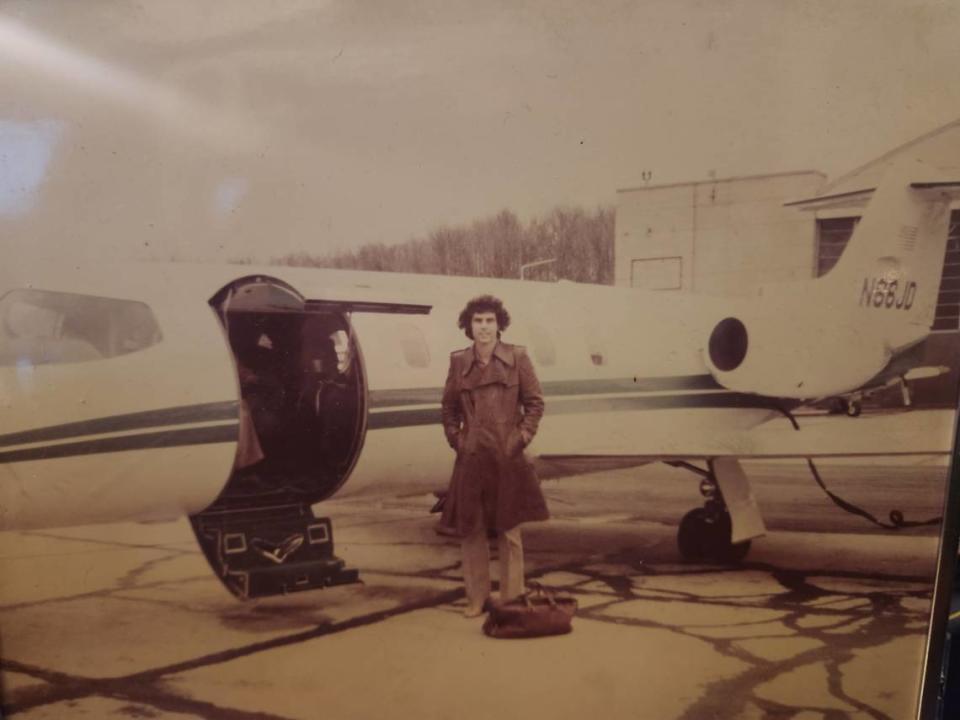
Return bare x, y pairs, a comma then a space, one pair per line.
498, 370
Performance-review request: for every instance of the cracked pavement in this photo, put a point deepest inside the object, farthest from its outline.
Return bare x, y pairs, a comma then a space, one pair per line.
127, 621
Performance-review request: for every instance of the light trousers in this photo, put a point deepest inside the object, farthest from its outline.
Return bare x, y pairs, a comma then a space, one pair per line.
476, 564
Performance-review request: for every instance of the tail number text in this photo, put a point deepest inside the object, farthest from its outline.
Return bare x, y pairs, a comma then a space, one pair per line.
878, 292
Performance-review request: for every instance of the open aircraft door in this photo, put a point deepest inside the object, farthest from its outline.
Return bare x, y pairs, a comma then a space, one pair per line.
303, 417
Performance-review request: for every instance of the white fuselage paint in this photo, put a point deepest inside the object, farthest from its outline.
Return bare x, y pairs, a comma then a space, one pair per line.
625, 372
638, 335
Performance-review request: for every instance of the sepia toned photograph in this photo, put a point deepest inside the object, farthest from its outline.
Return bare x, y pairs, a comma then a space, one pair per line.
471, 360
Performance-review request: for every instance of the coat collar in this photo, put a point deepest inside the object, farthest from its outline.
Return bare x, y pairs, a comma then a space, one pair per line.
502, 351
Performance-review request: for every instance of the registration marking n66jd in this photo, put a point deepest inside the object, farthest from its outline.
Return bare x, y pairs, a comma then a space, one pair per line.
878, 292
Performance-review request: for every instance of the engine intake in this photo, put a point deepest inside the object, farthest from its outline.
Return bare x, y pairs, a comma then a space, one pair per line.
792, 355
728, 344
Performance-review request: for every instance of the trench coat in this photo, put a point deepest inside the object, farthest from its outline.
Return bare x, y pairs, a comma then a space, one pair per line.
490, 414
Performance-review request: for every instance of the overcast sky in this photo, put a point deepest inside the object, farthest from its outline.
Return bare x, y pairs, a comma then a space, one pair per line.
226, 129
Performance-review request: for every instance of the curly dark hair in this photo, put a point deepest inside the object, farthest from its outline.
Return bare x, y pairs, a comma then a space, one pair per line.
483, 304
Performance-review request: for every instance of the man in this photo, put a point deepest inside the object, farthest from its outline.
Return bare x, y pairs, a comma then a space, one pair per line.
492, 405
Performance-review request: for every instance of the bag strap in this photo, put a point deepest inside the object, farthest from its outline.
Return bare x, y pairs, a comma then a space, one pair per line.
537, 590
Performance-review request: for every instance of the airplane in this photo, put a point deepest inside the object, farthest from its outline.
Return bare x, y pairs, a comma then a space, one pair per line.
242, 396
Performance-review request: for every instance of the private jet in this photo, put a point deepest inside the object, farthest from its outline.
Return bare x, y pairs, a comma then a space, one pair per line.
243, 396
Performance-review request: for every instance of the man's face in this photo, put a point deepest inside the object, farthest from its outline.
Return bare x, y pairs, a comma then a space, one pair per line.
484, 327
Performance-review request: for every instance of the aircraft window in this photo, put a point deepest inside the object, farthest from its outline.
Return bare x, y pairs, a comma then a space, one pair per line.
595, 346
414, 346
543, 348
40, 327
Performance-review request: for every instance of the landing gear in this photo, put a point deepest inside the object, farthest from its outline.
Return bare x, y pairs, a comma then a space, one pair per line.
705, 534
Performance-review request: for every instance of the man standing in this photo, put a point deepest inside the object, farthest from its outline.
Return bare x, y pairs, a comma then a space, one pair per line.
492, 405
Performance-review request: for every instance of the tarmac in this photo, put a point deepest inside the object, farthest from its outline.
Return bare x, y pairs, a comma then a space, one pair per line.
826, 618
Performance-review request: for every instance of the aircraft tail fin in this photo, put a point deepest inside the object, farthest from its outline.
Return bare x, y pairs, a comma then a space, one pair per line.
894, 260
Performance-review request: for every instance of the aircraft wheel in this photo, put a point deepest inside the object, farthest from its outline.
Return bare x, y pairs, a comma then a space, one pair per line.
705, 536
725, 551
853, 408
692, 535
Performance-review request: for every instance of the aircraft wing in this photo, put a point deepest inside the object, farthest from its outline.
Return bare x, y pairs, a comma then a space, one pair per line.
553, 467
885, 434
925, 436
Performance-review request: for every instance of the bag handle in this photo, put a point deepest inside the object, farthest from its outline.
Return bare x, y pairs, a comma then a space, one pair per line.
537, 590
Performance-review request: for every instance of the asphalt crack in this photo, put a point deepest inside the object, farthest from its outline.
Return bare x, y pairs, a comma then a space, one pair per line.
878, 620
870, 617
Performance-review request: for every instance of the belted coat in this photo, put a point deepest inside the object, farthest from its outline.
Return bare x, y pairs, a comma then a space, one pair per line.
490, 414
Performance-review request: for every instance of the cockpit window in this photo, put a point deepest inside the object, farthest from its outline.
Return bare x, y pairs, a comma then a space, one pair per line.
40, 327
414, 346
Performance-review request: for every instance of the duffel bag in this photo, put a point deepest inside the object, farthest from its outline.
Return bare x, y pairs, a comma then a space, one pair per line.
536, 613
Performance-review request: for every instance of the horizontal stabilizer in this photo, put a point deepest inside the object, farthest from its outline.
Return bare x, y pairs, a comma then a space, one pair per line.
926, 371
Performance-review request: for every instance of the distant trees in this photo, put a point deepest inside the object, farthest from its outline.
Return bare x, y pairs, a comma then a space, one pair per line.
580, 243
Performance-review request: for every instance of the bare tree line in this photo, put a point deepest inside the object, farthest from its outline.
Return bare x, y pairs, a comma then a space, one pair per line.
579, 243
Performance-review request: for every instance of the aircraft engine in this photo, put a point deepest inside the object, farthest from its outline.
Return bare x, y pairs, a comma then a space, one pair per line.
796, 357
